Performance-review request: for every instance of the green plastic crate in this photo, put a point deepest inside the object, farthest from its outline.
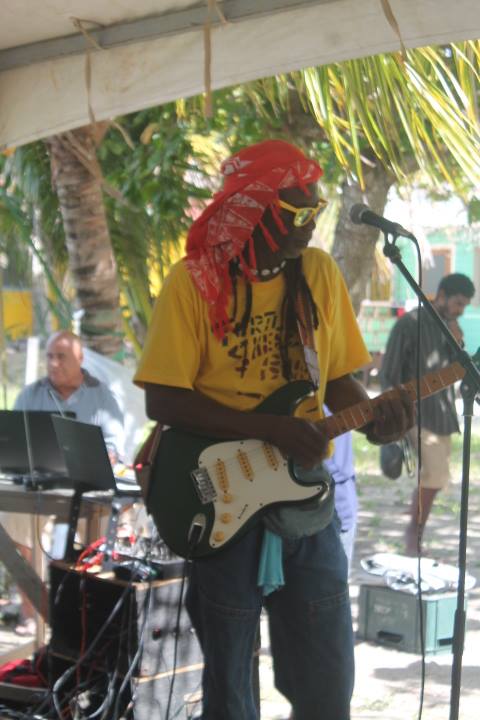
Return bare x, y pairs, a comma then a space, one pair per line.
391, 617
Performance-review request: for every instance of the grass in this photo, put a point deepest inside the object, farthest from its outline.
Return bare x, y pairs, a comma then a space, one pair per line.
367, 457
384, 504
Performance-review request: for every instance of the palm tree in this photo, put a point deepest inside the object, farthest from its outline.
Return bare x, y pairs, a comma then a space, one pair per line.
78, 181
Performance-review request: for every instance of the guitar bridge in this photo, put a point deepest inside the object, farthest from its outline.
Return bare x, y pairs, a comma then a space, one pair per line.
203, 485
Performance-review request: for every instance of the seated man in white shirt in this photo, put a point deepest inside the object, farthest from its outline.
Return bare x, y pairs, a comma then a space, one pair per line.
67, 387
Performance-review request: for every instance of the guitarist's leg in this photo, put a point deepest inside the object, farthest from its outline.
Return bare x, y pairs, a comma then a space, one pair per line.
434, 476
311, 630
224, 603
420, 510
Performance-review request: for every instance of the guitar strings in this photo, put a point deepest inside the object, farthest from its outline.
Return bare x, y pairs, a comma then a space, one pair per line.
334, 422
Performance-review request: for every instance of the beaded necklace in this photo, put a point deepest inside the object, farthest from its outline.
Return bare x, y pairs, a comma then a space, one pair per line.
269, 272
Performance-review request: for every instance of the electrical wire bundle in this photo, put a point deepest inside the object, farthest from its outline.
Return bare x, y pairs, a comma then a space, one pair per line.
102, 683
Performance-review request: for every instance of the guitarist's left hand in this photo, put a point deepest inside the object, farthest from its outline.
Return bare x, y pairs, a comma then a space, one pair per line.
393, 416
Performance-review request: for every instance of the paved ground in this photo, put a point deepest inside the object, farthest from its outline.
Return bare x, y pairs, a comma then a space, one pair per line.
387, 680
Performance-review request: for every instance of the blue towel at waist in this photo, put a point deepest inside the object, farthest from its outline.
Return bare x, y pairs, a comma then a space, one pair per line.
270, 566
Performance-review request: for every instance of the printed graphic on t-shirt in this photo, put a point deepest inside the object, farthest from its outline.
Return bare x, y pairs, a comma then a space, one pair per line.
259, 349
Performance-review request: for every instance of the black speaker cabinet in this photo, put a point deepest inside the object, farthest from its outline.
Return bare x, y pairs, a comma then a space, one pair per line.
123, 629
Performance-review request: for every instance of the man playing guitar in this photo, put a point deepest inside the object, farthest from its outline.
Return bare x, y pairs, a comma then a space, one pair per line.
247, 311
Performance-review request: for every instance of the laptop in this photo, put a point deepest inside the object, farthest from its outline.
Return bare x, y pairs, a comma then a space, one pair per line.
29, 448
86, 458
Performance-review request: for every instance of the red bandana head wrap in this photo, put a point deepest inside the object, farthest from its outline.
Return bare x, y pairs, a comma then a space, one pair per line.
252, 179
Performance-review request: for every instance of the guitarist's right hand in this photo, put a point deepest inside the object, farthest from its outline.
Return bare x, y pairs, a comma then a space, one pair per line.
300, 439
190, 410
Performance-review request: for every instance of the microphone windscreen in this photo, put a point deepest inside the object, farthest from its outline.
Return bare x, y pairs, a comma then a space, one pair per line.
356, 213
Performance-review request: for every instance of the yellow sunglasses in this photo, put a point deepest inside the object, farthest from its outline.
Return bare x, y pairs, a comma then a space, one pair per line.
303, 215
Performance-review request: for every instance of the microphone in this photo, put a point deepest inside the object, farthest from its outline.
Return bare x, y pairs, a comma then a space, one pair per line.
362, 215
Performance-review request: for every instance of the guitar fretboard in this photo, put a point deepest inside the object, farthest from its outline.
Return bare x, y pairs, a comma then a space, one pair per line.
362, 413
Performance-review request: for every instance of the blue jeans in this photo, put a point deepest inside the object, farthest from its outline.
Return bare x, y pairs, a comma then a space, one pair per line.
310, 627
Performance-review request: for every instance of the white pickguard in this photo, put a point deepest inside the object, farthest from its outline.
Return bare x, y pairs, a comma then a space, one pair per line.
247, 495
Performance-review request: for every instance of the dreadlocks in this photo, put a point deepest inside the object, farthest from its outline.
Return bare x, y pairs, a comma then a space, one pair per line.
295, 286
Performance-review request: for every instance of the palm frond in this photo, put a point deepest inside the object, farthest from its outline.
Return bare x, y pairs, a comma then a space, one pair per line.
425, 108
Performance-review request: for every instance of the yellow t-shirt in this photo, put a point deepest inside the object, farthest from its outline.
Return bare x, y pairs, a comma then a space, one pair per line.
241, 371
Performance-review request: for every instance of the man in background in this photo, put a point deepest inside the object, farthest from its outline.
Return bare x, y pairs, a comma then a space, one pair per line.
439, 416
67, 387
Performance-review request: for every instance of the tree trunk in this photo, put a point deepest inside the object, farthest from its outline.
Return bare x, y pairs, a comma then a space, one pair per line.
77, 176
354, 245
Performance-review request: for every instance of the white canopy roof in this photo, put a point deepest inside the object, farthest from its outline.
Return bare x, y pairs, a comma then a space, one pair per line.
153, 50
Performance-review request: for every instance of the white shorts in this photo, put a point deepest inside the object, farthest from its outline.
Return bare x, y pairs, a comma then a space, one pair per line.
435, 472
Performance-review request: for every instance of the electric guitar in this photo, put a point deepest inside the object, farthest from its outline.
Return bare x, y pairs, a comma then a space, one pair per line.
206, 493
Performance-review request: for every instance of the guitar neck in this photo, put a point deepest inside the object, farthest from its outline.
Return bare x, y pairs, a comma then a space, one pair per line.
362, 413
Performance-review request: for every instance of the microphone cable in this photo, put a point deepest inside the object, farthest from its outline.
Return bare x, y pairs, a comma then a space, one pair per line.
136, 660
88, 652
419, 501
114, 696
418, 470
50, 697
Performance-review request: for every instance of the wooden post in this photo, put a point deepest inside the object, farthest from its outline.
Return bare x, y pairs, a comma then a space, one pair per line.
25, 576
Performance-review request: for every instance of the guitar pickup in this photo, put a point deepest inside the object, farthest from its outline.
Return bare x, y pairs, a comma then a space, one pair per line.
203, 485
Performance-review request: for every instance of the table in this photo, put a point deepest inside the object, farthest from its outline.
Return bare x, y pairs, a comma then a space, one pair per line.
17, 499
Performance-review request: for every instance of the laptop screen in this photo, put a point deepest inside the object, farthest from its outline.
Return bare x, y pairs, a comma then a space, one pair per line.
85, 453
36, 425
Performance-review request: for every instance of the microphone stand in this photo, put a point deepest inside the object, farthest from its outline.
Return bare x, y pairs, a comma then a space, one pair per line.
469, 388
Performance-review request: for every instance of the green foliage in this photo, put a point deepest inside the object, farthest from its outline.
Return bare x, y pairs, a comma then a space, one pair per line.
474, 210
238, 119
424, 109
260, 110
27, 176
14, 239
154, 177
421, 113
31, 225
